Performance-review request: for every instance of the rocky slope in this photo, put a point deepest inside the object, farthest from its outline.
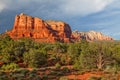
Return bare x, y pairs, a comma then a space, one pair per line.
40, 30
89, 36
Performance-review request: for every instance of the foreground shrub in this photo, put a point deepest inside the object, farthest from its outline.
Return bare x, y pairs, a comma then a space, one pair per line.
94, 78
63, 78
58, 66
66, 70
24, 71
11, 66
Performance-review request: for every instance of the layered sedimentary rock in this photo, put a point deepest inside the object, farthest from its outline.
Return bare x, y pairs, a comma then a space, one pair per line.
40, 30
63, 30
89, 36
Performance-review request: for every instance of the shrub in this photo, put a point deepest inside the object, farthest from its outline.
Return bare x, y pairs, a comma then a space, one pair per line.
53, 73
45, 77
2, 73
33, 71
65, 69
94, 78
4, 77
63, 78
59, 73
58, 66
11, 66
24, 71
77, 65
17, 76
32, 75
37, 77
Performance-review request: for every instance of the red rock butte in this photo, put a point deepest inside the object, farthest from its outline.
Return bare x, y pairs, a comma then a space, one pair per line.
40, 30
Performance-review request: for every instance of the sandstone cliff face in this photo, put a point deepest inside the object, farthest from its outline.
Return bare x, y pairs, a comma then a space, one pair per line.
39, 30
63, 29
89, 36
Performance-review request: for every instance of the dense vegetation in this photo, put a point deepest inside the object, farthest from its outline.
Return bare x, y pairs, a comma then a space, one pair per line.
25, 53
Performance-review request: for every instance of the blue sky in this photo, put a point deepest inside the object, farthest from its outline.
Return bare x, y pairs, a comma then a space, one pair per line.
82, 15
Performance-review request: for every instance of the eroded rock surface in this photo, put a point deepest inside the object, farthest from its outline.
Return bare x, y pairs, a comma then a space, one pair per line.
40, 30
90, 36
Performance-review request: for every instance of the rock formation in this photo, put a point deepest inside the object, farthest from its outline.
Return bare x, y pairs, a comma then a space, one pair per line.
89, 36
40, 30
49, 30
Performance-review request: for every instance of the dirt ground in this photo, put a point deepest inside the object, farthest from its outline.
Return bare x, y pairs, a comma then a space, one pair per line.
85, 76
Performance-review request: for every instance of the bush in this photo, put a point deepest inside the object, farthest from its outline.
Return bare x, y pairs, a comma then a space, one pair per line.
77, 65
58, 66
33, 71
53, 73
59, 73
37, 77
32, 75
17, 76
24, 71
63, 78
94, 78
65, 69
4, 77
45, 77
2, 73
11, 66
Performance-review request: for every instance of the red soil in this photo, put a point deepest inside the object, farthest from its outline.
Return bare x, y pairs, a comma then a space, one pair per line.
85, 76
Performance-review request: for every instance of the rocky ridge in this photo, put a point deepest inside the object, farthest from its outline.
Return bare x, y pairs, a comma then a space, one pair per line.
90, 36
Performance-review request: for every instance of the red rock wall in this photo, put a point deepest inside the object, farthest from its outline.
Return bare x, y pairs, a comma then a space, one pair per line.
38, 29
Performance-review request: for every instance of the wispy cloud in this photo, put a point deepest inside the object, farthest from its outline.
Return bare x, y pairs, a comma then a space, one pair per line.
84, 7
68, 7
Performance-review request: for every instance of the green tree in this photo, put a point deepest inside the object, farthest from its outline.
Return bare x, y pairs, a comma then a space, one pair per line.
58, 52
98, 54
12, 51
34, 58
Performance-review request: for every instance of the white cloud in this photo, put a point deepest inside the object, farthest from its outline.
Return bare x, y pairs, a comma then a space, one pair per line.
84, 7
16, 4
2, 6
71, 7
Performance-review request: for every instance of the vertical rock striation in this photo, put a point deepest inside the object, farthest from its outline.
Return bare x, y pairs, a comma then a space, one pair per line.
40, 30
